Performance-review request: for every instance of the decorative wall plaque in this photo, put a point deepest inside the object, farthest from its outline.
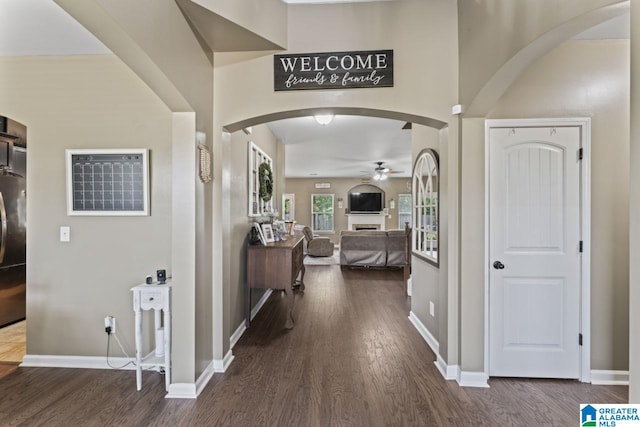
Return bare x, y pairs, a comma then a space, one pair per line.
334, 70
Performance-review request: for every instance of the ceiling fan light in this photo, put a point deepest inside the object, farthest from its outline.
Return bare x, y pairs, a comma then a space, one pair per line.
383, 177
377, 177
323, 119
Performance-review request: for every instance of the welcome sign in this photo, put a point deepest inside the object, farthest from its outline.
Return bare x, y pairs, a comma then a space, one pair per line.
334, 70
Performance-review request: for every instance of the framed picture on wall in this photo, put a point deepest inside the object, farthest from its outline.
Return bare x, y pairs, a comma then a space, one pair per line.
267, 230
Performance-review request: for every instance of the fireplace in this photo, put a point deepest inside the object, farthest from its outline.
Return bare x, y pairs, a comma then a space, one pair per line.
359, 227
366, 221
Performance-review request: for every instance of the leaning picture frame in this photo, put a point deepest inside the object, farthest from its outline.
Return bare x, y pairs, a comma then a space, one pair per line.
258, 229
267, 230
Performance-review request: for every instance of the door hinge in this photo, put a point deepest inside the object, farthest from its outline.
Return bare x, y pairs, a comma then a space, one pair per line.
580, 154
579, 339
580, 246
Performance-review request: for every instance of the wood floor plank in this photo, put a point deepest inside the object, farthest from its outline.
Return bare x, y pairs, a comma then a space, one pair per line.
352, 359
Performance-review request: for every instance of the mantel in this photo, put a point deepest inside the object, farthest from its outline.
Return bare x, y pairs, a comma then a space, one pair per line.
373, 219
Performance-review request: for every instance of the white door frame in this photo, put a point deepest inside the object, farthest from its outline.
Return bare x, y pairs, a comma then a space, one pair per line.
585, 230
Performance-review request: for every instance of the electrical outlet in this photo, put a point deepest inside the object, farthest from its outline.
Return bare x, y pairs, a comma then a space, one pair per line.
432, 309
110, 324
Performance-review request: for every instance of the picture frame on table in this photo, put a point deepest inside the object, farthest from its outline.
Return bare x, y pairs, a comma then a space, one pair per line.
259, 232
267, 231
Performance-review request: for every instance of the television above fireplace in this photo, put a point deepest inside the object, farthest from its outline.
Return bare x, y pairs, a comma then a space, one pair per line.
366, 202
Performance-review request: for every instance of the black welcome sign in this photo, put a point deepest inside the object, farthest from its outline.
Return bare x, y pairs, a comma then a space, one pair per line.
335, 70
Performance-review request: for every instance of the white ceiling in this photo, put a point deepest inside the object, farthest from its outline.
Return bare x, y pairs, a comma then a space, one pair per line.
330, 1
349, 146
41, 27
346, 147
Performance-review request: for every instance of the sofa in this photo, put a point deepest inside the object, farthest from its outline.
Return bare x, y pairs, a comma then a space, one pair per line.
366, 248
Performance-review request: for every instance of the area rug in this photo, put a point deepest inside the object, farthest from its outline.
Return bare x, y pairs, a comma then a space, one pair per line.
323, 260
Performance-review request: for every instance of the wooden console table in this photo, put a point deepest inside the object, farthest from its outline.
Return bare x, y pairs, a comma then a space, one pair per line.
275, 266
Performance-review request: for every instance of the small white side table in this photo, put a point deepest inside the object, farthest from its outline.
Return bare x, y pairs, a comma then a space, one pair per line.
156, 298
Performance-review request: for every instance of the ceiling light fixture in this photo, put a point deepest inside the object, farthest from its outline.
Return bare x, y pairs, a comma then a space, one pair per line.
323, 119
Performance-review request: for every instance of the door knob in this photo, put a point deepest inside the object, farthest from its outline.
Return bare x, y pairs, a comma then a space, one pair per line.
498, 265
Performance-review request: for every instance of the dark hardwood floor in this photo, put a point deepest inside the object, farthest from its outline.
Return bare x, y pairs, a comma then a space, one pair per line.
353, 359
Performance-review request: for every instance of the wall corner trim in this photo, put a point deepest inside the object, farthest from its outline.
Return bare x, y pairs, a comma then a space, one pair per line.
222, 365
473, 379
449, 372
182, 391
204, 378
604, 377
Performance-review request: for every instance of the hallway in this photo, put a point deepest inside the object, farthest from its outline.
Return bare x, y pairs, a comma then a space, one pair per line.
353, 358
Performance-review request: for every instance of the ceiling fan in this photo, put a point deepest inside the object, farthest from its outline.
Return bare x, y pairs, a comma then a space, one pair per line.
380, 172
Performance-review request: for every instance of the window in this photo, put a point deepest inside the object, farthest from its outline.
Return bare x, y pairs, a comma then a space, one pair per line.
257, 205
322, 212
404, 210
425, 206
288, 206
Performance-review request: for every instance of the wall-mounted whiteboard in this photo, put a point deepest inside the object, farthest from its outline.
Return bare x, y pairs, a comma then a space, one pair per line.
108, 182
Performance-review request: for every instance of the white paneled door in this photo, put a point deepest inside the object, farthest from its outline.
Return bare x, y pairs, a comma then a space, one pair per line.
534, 252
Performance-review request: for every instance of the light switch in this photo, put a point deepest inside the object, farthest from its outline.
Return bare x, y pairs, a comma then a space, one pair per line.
65, 233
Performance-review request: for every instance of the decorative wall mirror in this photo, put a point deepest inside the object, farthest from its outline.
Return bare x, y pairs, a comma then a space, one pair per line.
260, 173
426, 230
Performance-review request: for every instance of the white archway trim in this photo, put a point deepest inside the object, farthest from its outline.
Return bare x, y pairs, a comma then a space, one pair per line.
347, 111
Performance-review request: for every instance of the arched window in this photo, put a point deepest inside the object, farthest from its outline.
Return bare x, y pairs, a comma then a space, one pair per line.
425, 206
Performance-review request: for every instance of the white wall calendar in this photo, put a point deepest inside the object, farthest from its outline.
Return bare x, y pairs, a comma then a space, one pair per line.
108, 182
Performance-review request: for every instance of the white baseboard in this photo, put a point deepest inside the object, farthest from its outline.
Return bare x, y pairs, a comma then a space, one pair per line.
237, 334
204, 378
233, 340
430, 339
473, 379
222, 365
449, 372
82, 362
182, 391
260, 303
599, 377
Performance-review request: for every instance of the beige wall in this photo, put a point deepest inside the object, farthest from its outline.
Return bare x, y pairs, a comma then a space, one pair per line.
426, 88
501, 38
634, 235
265, 18
241, 222
472, 251
430, 283
85, 102
559, 86
303, 188
156, 42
